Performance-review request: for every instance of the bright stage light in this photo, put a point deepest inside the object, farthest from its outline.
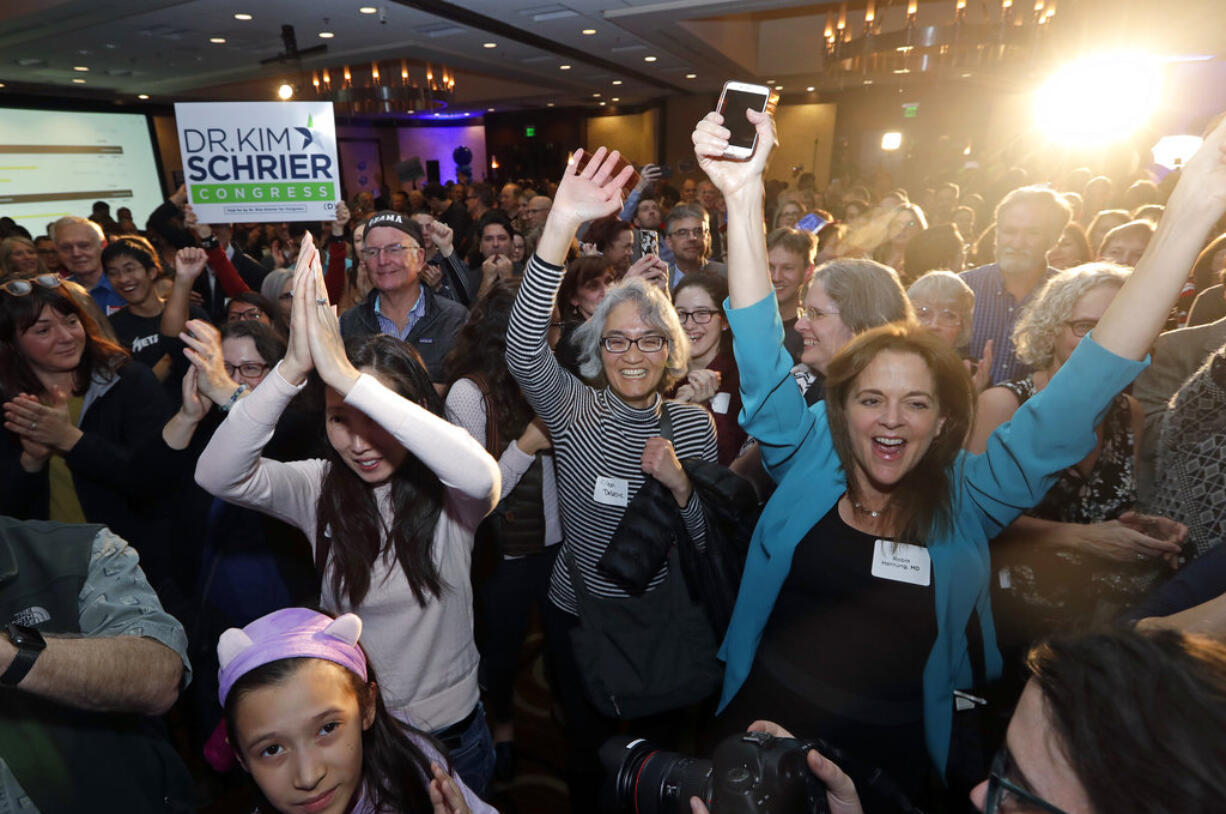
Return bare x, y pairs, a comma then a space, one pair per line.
891, 140
1173, 152
1100, 99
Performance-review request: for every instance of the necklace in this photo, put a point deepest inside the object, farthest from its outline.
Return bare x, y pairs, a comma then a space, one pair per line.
855, 504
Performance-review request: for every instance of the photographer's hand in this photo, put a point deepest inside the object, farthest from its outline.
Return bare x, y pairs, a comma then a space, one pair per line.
841, 792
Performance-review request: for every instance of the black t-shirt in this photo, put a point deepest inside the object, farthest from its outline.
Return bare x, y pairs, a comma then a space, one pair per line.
142, 336
793, 341
860, 642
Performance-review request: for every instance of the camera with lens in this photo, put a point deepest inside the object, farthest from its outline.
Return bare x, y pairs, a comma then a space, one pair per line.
750, 773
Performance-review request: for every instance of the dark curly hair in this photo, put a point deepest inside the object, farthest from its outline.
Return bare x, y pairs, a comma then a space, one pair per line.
480, 351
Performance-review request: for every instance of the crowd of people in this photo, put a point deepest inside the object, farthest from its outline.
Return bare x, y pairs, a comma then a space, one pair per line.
868, 464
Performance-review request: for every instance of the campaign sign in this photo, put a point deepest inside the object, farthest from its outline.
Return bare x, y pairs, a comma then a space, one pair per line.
259, 161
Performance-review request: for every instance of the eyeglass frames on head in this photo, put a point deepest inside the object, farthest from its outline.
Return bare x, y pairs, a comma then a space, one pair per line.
20, 288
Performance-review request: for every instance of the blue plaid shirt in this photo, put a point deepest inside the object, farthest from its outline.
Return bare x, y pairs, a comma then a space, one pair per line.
388, 326
996, 312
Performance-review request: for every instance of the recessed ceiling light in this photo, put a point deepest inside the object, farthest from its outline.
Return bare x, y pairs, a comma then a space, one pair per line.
617, 81
616, 99
489, 45
81, 68
368, 10
778, 87
966, 76
285, 91
563, 67
79, 81
770, 81
691, 76
602, 104
595, 95
1, 85
649, 59
142, 96
549, 104
217, 40
587, 32
243, 17
868, 81
811, 88
489, 110
326, 35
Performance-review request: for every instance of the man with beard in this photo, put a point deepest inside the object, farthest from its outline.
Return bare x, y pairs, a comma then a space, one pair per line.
1029, 221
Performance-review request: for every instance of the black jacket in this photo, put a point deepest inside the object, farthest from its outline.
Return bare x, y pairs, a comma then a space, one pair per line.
432, 336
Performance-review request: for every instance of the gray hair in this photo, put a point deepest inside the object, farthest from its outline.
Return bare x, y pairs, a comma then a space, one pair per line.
73, 220
682, 211
655, 309
947, 288
273, 282
1057, 209
1034, 335
868, 293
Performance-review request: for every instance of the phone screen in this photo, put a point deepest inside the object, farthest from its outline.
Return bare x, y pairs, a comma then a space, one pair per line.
735, 102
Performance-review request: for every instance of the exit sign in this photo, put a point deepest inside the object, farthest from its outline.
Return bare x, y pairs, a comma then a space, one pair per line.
529, 132
910, 110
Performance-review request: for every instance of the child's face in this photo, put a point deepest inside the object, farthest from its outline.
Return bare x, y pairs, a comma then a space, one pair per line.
301, 739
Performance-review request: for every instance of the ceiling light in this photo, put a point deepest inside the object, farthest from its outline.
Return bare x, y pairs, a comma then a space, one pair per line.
868, 81
595, 95
142, 96
770, 81
811, 88
80, 68
489, 45
368, 10
243, 17
602, 104
549, 104
326, 35
616, 99
79, 81
285, 91
489, 110
691, 76
217, 40
563, 67
649, 59
778, 87
587, 32
617, 81
891, 141
1, 84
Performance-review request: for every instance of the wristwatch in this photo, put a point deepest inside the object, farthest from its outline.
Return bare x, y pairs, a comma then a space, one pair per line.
209, 242
29, 643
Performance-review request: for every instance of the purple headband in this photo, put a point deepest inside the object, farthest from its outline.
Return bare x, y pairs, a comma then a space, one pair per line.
286, 634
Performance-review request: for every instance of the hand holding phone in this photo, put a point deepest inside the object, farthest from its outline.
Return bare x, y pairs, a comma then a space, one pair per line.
733, 101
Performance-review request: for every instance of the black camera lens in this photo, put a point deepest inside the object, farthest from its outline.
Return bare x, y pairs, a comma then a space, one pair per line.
642, 778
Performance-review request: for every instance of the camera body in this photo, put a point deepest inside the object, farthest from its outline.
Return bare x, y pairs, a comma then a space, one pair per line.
751, 773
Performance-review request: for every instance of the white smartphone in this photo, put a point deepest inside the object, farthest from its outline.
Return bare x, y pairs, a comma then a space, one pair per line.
735, 97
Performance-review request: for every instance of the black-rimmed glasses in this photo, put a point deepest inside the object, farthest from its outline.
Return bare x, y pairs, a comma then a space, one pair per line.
620, 344
20, 288
1000, 788
701, 316
249, 369
1081, 327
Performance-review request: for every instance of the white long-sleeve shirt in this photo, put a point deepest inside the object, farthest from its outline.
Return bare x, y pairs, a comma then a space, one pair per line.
424, 656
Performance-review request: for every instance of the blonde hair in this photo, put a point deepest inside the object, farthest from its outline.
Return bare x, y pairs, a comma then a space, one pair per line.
1034, 335
947, 288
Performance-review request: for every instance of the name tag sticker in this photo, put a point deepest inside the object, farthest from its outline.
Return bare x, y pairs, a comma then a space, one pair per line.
902, 562
612, 491
720, 402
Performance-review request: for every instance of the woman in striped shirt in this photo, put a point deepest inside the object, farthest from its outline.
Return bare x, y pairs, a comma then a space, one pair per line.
606, 435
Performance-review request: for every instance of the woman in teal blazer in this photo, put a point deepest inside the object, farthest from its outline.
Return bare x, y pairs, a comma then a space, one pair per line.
881, 434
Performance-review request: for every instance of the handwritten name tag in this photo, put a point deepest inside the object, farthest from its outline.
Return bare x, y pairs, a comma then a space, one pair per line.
611, 491
902, 562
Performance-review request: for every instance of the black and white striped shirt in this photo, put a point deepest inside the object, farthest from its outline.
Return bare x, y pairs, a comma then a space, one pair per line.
595, 434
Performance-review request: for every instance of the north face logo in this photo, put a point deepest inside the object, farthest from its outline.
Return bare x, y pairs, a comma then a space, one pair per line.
31, 617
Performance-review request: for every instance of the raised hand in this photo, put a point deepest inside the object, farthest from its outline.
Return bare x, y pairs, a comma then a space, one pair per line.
203, 350
982, 377
732, 175
593, 193
195, 404
189, 262
703, 383
323, 331
190, 218
442, 237
649, 175
342, 218
1203, 178
297, 362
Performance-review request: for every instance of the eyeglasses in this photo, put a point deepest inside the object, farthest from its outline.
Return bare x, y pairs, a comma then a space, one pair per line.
248, 369
944, 317
254, 313
394, 251
20, 288
697, 231
813, 314
701, 316
999, 786
1081, 327
620, 344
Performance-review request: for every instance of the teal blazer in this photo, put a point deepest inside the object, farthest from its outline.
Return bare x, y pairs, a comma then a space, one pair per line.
1050, 432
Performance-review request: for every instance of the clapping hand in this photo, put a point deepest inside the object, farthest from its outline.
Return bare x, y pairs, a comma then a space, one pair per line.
203, 350
41, 428
700, 385
732, 175
323, 331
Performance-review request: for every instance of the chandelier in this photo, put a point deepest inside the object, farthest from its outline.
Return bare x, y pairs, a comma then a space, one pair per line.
384, 92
